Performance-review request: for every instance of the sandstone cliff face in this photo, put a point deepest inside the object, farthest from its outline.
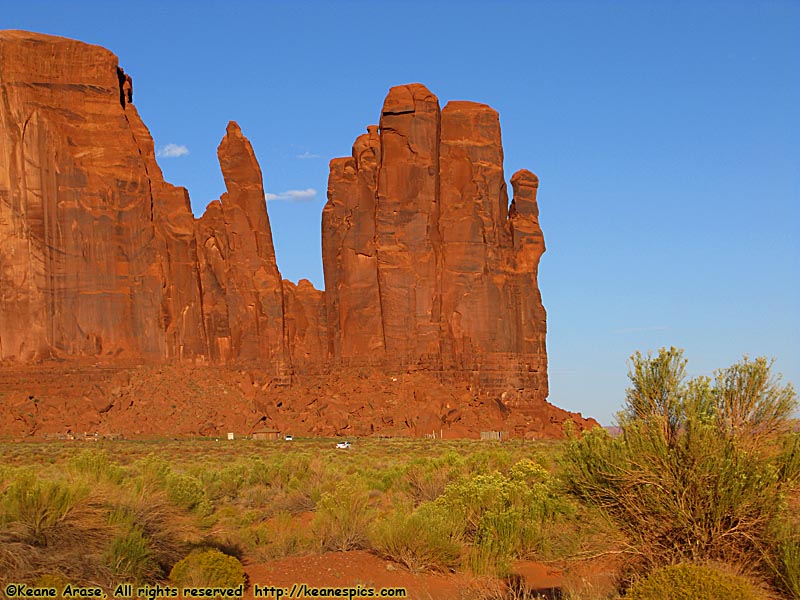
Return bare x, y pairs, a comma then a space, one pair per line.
431, 278
349, 254
418, 220
98, 254
306, 326
79, 265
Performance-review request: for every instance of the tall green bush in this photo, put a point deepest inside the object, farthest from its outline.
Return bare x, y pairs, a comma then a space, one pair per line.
41, 511
131, 557
424, 539
684, 480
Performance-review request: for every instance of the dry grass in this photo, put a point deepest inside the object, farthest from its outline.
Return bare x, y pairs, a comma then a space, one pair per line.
137, 515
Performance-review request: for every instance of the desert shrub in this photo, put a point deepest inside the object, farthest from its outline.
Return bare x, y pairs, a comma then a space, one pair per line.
6, 474
256, 496
187, 492
504, 516
788, 566
208, 568
785, 561
279, 537
298, 466
39, 512
427, 478
131, 557
680, 481
488, 460
425, 539
296, 501
152, 469
51, 526
382, 478
343, 517
750, 403
95, 465
281, 469
223, 484
165, 528
692, 582
259, 472
51, 580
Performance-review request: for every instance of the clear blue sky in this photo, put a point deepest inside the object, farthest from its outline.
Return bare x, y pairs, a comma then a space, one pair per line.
666, 136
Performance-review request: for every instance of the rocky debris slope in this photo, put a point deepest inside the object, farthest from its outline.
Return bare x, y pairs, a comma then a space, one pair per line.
115, 399
430, 276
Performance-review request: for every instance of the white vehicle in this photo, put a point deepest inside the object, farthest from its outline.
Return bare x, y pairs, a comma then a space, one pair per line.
288, 438
344, 445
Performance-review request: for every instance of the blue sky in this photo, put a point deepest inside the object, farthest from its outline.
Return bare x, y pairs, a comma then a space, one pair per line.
666, 136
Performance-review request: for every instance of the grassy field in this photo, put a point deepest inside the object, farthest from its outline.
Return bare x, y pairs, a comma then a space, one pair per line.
113, 511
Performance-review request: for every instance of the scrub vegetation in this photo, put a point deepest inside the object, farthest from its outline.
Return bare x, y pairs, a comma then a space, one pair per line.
702, 486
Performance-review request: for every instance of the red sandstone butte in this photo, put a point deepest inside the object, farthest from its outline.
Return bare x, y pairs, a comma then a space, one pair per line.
431, 317
417, 221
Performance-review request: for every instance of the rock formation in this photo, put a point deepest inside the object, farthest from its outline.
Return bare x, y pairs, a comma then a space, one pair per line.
424, 266
80, 269
242, 288
430, 277
98, 254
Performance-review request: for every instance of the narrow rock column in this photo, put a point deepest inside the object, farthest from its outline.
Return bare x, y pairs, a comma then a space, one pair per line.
474, 206
235, 237
407, 224
523, 265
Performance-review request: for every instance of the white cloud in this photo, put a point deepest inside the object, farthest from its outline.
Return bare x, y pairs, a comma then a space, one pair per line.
306, 155
172, 151
293, 195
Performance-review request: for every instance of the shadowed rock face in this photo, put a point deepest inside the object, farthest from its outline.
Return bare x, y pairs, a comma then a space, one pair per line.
418, 219
427, 269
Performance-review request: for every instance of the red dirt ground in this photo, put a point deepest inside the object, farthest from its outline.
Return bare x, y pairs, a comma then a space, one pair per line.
358, 567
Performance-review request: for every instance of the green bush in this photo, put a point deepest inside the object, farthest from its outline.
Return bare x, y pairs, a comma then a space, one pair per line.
692, 582
343, 517
96, 466
504, 516
426, 539
786, 562
188, 493
40, 511
427, 478
153, 470
279, 537
208, 568
682, 480
132, 558
167, 530
789, 566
